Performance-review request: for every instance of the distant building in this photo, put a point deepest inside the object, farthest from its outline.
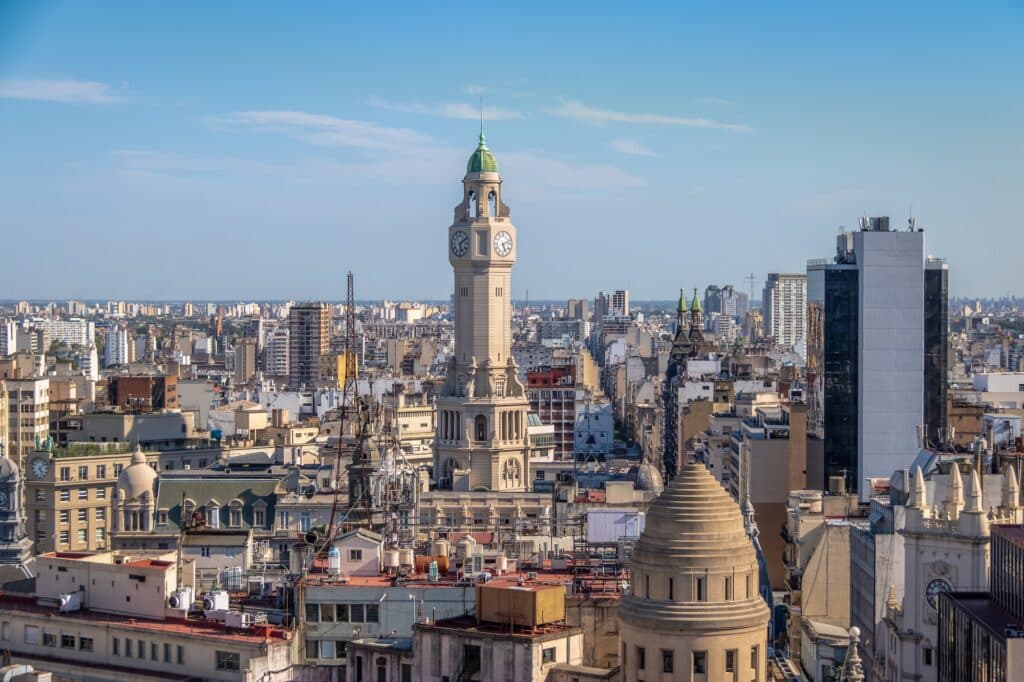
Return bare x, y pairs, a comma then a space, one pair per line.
784, 303
116, 352
245, 360
143, 393
309, 331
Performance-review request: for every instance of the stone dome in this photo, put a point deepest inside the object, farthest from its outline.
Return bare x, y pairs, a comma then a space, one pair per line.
648, 477
482, 160
137, 478
694, 567
8, 469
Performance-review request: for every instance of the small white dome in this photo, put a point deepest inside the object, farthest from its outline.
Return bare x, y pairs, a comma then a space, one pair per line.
137, 479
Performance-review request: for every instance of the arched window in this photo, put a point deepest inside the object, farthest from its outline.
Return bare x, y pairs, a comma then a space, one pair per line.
481, 427
492, 204
472, 204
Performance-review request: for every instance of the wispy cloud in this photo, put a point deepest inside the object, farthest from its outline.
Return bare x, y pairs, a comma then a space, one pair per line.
475, 89
459, 110
823, 202
581, 112
69, 91
712, 100
324, 130
624, 146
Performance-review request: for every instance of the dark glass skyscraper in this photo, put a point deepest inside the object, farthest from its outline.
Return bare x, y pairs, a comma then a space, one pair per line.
936, 348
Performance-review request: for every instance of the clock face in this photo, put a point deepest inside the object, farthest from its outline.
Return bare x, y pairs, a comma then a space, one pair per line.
39, 468
460, 244
503, 243
934, 588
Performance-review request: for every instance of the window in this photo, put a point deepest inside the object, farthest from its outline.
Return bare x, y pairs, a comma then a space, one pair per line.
547, 655
728, 588
282, 520
406, 672
700, 662
356, 612
101, 493
167, 652
67, 641
181, 655
127, 647
40, 495
647, 586
305, 523
313, 613
101, 513
213, 516
85, 643
82, 536
83, 493
540, 475
65, 473
355, 555
115, 646
65, 537
372, 613
641, 658
117, 469
154, 651
83, 514
340, 647
101, 471
671, 589
49, 639
260, 518
327, 613
927, 650
227, 660
161, 517
101, 534
730, 661
65, 495
754, 662
32, 634
83, 473
667, 664
342, 612
65, 516
700, 591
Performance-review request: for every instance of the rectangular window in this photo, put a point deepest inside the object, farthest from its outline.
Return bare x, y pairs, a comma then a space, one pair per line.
101, 493
227, 660
728, 588
83, 514
32, 635
754, 662
49, 639
67, 641
355, 555
181, 655
117, 469
85, 643
641, 658
667, 663
161, 518
40, 495
101, 513
701, 592
406, 672
927, 650
115, 646
730, 661
167, 652
327, 613
260, 518
700, 662
671, 589
547, 655
481, 243
83, 493
372, 613
65, 473
312, 613
65, 537
342, 612
83, 473
127, 647
65, 495
304, 522
312, 648
82, 536
154, 651
101, 534
65, 515
356, 613
101, 471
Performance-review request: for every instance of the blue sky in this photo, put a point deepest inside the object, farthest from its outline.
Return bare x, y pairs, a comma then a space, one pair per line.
260, 150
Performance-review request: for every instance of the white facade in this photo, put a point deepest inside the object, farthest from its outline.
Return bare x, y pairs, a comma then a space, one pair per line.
276, 359
72, 331
8, 337
890, 407
785, 308
117, 348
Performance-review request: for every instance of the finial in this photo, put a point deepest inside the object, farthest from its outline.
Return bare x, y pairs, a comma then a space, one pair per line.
852, 670
482, 138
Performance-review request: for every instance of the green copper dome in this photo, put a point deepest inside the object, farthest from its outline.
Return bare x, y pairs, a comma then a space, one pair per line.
482, 160
695, 305
681, 306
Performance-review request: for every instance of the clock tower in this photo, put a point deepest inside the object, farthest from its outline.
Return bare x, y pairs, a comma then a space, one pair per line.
481, 441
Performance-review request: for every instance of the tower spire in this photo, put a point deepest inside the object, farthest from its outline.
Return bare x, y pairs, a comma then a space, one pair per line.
482, 139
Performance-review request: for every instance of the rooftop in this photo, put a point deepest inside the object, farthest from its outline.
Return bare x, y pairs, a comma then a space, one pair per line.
980, 607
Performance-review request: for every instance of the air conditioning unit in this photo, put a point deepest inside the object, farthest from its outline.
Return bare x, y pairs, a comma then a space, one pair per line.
181, 600
216, 600
531, 575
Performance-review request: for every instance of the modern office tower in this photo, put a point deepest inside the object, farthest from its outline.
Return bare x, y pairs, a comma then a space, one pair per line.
870, 316
116, 352
309, 335
245, 360
712, 299
482, 408
619, 303
936, 349
784, 303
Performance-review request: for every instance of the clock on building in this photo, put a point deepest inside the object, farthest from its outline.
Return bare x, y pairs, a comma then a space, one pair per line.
460, 243
39, 468
503, 243
934, 588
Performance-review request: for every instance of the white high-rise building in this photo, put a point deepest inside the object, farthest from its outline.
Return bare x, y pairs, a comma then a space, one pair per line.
275, 360
482, 439
785, 308
117, 347
8, 337
72, 331
89, 362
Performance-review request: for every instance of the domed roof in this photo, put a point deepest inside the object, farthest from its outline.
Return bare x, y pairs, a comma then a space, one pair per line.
482, 160
136, 478
8, 469
648, 477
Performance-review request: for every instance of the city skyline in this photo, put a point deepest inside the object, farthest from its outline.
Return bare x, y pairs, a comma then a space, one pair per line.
185, 161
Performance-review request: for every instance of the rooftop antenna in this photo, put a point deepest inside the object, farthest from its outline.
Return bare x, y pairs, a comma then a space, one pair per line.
481, 117
911, 221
